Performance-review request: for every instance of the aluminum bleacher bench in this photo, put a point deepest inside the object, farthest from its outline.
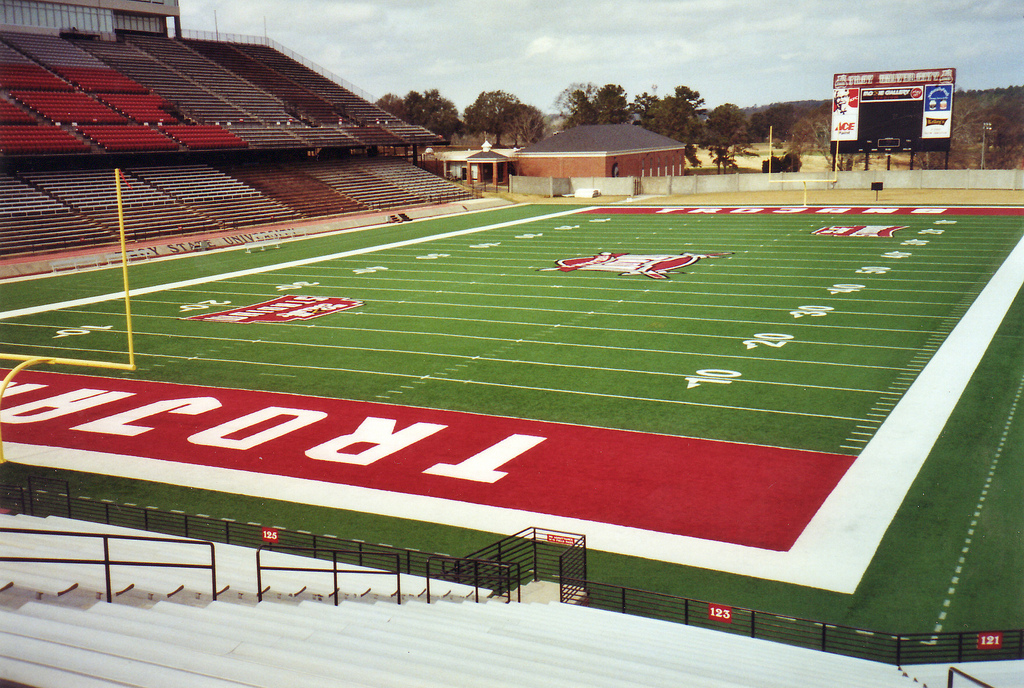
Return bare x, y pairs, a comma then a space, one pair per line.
262, 245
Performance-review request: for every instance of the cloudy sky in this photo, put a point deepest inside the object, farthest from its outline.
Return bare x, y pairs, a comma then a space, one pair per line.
746, 52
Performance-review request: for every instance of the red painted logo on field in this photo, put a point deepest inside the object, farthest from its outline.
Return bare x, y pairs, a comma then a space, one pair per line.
744, 494
282, 309
860, 230
653, 266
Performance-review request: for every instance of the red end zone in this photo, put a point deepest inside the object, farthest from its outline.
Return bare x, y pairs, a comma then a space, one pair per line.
741, 494
804, 210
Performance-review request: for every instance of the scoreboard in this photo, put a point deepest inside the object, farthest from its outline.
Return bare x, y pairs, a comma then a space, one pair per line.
893, 111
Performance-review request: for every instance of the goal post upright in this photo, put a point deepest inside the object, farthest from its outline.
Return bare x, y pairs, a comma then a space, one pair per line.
805, 182
28, 360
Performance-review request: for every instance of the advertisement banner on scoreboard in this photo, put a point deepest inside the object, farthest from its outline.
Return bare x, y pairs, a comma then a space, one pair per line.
938, 111
845, 113
906, 110
900, 93
908, 77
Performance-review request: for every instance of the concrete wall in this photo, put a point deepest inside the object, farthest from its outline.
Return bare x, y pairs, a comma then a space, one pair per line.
609, 186
540, 186
894, 179
718, 183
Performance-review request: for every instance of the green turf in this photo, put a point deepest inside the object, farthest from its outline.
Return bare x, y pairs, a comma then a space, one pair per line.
476, 323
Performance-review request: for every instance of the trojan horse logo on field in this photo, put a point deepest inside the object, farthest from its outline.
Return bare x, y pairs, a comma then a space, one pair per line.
653, 266
860, 230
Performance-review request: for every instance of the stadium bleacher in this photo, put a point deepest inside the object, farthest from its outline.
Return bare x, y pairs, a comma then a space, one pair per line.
148, 212
147, 95
215, 194
18, 139
74, 108
289, 185
165, 627
306, 101
373, 192
147, 108
12, 114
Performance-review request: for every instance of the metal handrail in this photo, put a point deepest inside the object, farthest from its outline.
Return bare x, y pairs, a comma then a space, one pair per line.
107, 562
461, 569
953, 671
260, 568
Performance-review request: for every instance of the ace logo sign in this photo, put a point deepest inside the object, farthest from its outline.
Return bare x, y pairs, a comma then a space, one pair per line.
282, 309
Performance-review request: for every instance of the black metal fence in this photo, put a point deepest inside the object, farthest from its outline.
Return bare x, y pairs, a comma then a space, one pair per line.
889, 648
51, 499
499, 569
537, 554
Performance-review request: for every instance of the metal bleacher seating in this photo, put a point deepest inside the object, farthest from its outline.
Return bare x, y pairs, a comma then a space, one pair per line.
199, 103
215, 194
269, 122
350, 179
426, 186
305, 101
147, 639
257, 106
290, 186
148, 212
361, 119
32, 221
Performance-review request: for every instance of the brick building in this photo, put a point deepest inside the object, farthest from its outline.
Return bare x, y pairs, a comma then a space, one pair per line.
603, 150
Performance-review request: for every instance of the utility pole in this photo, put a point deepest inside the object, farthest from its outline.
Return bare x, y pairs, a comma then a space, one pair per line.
985, 128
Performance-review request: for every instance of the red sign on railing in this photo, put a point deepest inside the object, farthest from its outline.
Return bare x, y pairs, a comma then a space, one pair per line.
719, 612
990, 641
270, 535
561, 539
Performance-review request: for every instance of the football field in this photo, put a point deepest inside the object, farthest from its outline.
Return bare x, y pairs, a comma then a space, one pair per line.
749, 390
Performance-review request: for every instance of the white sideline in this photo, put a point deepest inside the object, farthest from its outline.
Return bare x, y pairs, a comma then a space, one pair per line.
833, 552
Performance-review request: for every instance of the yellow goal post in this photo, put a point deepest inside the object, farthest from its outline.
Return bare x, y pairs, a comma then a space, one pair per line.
29, 360
805, 182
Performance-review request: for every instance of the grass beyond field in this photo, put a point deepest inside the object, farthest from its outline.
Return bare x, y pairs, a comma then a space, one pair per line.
773, 335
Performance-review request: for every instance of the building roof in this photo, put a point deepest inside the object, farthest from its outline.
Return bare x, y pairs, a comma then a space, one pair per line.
486, 155
602, 138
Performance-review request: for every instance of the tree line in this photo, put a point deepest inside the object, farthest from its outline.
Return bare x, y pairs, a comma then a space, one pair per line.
725, 131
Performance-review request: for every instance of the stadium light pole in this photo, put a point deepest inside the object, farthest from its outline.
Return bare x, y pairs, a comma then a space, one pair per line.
985, 128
